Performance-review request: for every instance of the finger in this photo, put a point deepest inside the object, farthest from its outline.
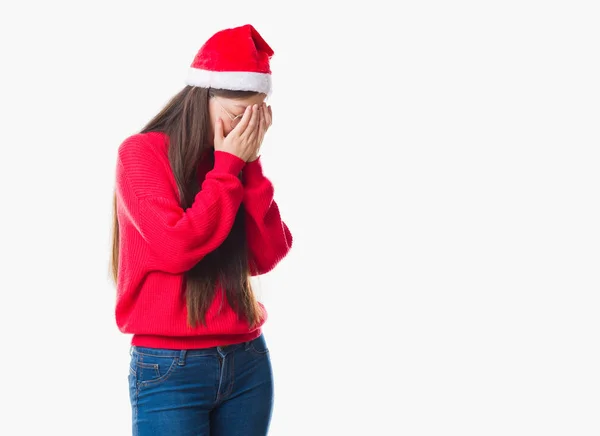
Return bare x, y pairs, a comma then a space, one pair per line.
269, 115
267, 121
265, 117
263, 122
243, 124
250, 131
259, 132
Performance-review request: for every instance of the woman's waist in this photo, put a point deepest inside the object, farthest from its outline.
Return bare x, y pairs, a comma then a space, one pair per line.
169, 345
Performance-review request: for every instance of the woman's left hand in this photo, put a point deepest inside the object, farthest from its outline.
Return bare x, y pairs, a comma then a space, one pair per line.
265, 121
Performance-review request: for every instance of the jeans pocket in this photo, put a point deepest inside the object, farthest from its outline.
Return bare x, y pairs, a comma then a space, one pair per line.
151, 369
258, 346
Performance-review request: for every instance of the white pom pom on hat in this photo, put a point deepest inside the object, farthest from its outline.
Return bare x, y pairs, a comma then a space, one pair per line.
236, 59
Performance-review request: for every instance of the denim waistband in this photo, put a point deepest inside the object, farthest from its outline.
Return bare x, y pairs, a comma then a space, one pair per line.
212, 351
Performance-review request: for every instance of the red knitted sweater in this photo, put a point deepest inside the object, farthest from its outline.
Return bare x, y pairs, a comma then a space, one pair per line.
159, 242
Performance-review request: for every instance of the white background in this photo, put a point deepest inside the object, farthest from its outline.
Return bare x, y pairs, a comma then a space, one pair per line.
438, 166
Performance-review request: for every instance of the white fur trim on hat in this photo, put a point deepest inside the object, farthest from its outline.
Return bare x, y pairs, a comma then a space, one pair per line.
232, 80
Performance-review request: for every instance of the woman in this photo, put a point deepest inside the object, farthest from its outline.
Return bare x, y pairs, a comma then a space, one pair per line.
194, 220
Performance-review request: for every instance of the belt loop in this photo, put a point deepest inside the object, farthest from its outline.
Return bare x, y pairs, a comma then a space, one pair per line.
182, 354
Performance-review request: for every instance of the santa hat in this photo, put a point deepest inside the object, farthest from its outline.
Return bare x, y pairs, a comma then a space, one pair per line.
234, 59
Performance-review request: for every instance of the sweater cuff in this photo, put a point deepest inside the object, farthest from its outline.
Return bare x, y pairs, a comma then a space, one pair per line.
228, 163
253, 171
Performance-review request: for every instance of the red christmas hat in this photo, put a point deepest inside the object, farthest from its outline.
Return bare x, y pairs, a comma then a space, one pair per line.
234, 59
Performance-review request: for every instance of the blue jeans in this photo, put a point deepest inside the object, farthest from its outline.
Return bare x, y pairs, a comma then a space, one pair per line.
223, 391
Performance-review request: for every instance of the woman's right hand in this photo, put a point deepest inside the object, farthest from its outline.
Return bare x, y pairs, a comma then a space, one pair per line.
243, 140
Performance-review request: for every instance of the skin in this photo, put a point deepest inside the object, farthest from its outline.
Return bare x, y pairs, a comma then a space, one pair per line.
245, 139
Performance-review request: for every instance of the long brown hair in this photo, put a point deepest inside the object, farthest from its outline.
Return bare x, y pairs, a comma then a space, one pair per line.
185, 121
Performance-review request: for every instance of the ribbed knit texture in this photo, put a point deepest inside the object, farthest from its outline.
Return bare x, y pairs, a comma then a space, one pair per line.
159, 242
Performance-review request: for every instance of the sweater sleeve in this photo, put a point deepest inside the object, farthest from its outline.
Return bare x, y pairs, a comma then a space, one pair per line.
269, 238
176, 239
